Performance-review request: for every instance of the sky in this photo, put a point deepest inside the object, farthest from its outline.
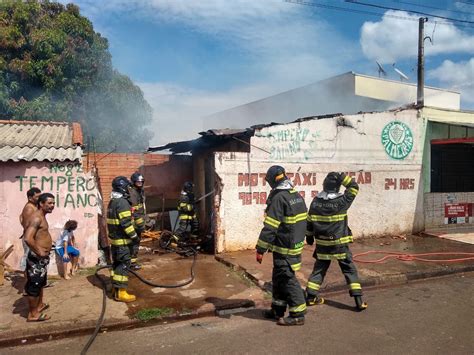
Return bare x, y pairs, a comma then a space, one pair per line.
193, 58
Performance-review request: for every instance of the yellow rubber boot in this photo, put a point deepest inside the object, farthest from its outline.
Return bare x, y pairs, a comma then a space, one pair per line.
121, 295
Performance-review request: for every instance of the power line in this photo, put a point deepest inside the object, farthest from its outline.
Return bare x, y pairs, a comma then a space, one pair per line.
364, 12
411, 11
345, 9
431, 7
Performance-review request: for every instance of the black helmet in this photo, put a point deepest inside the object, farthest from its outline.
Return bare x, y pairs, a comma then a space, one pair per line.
275, 175
136, 177
120, 184
332, 182
188, 187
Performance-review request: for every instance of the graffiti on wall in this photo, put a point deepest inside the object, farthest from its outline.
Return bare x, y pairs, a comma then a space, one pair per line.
401, 184
299, 180
67, 182
289, 142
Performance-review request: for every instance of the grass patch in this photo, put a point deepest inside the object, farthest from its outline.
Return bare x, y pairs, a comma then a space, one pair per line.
153, 313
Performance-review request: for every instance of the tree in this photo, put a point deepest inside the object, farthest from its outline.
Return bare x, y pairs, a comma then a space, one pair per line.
55, 67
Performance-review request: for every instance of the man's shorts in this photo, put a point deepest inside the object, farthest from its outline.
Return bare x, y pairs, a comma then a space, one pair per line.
36, 274
26, 250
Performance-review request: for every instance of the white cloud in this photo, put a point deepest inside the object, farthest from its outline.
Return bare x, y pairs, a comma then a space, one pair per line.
394, 38
456, 76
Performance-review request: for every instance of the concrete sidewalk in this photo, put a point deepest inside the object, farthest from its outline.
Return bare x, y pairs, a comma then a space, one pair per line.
75, 304
389, 272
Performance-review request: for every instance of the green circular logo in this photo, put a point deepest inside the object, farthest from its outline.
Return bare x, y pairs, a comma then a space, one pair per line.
397, 139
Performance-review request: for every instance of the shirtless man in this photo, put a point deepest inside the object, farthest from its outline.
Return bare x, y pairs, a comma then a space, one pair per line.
39, 241
30, 207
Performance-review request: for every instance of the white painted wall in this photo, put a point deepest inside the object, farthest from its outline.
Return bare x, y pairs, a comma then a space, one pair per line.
311, 149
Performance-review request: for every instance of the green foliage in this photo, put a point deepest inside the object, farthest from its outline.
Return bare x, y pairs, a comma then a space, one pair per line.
153, 313
55, 67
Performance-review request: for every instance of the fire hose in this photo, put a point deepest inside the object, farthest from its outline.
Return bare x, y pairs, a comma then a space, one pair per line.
100, 321
412, 257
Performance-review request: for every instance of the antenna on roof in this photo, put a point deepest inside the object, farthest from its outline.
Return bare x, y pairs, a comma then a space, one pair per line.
380, 69
402, 75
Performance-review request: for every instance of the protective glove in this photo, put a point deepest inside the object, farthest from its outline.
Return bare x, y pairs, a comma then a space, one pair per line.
309, 239
259, 257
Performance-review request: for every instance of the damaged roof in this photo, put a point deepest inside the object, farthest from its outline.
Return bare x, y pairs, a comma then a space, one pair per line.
211, 138
40, 141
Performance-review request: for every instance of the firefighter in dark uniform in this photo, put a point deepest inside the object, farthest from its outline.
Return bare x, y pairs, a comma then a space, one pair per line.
283, 234
187, 217
327, 223
122, 235
137, 198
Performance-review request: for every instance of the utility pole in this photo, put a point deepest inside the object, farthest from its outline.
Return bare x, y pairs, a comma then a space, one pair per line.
420, 98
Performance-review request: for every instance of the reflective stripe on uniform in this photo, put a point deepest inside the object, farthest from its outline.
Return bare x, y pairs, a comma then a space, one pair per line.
286, 251
339, 241
120, 241
271, 222
139, 220
295, 267
120, 278
331, 256
294, 219
299, 308
140, 205
313, 286
292, 191
355, 286
125, 214
185, 216
129, 229
353, 191
264, 245
113, 221
346, 180
334, 218
280, 303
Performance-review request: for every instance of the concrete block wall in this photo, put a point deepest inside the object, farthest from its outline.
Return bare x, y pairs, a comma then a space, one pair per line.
434, 208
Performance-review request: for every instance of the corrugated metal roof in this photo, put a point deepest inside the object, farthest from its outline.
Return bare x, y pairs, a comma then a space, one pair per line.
35, 140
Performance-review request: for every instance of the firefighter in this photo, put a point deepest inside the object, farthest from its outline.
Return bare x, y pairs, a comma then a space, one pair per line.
122, 234
137, 198
187, 211
327, 223
283, 234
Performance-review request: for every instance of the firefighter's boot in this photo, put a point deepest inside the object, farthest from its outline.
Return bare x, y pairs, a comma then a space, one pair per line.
271, 314
314, 300
360, 305
121, 295
288, 321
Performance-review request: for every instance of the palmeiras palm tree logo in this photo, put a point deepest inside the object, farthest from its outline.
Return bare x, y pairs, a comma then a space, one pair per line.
397, 139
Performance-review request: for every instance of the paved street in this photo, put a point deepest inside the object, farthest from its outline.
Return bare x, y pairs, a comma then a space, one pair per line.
426, 317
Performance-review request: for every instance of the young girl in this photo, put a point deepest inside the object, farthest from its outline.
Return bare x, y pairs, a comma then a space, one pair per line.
66, 249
